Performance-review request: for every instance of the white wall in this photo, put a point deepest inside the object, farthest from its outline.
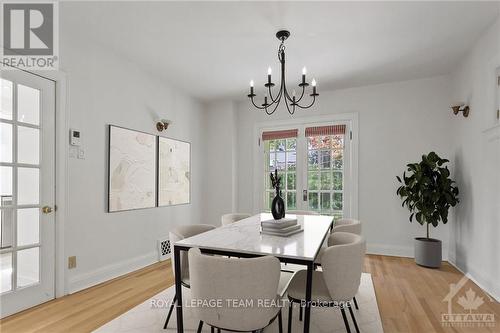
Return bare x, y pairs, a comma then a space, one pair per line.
220, 162
398, 122
106, 89
475, 233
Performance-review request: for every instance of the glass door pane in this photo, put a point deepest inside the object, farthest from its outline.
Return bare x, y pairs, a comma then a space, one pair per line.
6, 272
6, 93
325, 174
281, 155
19, 186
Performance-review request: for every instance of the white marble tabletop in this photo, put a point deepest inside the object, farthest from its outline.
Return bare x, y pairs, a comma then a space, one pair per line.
244, 236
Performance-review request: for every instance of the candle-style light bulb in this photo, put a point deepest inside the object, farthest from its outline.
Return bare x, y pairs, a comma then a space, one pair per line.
251, 83
251, 87
313, 83
304, 71
293, 93
269, 70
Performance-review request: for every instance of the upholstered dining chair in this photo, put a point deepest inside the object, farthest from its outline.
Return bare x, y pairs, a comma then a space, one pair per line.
344, 225
341, 225
347, 225
302, 212
227, 281
338, 282
233, 217
176, 235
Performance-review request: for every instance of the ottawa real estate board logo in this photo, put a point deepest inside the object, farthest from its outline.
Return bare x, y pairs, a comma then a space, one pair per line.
472, 310
29, 36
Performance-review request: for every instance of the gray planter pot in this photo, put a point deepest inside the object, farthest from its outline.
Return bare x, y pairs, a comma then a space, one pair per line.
428, 252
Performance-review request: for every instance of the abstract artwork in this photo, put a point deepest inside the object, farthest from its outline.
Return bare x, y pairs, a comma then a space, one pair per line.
174, 176
132, 169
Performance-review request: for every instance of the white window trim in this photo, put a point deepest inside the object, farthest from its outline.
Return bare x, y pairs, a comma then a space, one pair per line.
350, 118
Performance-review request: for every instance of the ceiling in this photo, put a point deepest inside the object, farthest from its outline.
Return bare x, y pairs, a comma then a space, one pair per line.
211, 50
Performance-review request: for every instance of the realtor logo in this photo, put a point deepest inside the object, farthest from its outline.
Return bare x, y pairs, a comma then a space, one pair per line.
471, 303
29, 35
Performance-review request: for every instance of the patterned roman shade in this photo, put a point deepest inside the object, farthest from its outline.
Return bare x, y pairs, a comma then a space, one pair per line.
325, 130
284, 134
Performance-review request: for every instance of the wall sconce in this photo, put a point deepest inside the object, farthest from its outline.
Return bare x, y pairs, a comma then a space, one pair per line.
162, 125
461, 108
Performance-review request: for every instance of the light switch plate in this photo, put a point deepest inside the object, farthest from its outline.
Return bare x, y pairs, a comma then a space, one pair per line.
81, 153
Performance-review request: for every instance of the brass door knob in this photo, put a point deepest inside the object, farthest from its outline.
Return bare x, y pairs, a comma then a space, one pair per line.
47, 210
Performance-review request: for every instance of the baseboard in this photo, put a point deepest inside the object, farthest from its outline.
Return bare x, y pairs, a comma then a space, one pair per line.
495, 294
103, 274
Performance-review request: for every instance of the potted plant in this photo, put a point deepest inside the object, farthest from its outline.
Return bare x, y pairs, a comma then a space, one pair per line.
428, 193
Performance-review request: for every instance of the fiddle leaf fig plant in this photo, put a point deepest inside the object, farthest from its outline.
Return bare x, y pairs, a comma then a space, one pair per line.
427, 190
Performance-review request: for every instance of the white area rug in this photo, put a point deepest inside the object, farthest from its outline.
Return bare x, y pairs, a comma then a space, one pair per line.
146, 318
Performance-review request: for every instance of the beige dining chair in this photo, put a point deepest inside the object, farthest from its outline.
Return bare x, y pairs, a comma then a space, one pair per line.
250, 283
338, 282
176, 235
233, 217
343, 225
347, 225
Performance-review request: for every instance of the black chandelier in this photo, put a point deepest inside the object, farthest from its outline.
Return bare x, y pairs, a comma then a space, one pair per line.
290, 101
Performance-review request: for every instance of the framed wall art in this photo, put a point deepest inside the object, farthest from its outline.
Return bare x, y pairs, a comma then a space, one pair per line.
132, 169
174, 172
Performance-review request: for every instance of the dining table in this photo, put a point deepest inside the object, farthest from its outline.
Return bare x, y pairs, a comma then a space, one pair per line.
244, 239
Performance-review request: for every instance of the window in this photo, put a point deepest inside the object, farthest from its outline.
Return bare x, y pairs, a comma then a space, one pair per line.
314, 163
280, 151
325, 169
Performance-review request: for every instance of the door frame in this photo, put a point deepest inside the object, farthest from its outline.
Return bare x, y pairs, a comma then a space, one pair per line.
351, 118
60, 79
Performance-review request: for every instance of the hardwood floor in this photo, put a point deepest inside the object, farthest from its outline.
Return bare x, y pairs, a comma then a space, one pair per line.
410, 299
89, 309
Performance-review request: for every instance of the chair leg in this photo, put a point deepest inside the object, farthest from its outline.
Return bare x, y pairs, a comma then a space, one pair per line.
218, 330
346, 323
200, 326
355, 303
212, 329
280, 322
170, 312
354, 319
290, 312
300, 311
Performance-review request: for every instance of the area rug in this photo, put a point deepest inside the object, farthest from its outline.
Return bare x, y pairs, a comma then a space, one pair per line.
150, 315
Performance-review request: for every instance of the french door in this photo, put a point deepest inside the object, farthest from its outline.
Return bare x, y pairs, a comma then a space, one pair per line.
27, 190
314, 161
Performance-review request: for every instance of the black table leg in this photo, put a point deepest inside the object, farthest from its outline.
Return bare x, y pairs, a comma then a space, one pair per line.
178, 288
307, 314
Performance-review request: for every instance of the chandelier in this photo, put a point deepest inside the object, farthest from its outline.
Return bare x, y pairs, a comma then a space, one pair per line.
271, 102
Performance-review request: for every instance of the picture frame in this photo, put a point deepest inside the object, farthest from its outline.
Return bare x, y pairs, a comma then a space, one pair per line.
174, 172
132, 169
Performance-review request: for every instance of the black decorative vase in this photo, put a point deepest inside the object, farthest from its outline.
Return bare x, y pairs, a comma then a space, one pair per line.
278, 206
